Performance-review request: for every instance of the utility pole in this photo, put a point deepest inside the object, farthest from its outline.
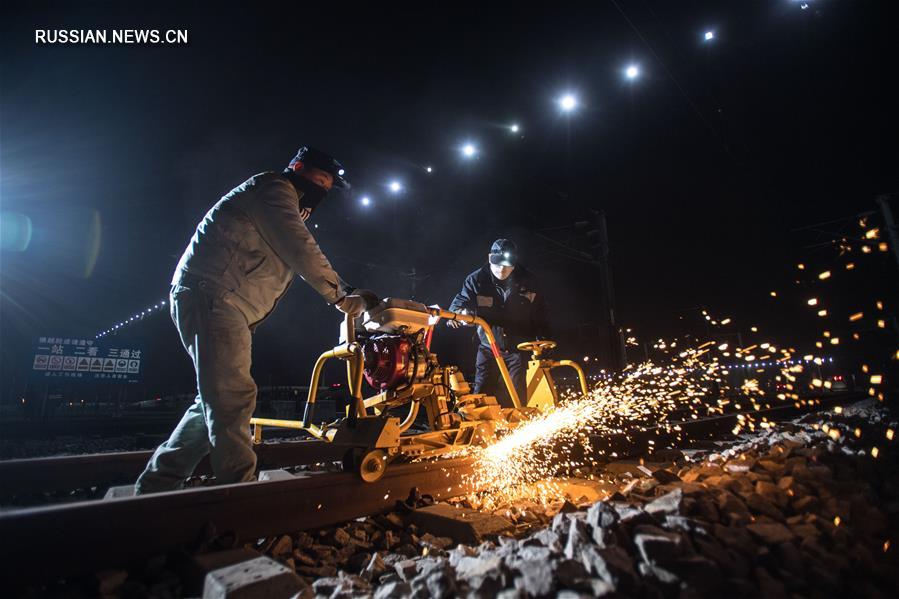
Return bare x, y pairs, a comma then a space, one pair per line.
890, 224
602, 253
593, 248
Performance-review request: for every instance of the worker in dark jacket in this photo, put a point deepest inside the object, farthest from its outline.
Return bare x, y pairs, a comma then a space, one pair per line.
506, 295
242, 258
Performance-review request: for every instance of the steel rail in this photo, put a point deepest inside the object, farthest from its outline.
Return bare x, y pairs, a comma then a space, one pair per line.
38, 475
98, 534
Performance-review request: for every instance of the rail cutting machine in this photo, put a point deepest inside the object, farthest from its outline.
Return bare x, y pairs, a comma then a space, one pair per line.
392, 352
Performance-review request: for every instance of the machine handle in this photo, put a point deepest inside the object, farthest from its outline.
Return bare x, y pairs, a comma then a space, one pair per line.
488, 332
580, 373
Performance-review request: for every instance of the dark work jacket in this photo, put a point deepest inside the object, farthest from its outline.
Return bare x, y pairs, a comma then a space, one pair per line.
519, 317
250, 246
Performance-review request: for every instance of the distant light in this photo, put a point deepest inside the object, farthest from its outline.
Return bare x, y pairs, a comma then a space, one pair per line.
709, 36
632, 72
514, 128
804, 5
341, 172
396, 186
568, 102
365, 200
469, 150
429, 169
316, 225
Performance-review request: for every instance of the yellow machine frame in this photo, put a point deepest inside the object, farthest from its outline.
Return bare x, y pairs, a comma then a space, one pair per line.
541, 388
379, 438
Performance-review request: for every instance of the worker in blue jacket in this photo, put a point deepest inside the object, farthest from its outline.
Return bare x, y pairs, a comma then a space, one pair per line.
507, 295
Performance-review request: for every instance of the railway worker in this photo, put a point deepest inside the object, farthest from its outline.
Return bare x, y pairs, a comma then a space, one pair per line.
240, 261
507, 295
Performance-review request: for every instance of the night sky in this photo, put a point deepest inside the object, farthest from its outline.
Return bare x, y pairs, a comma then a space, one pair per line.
704, 165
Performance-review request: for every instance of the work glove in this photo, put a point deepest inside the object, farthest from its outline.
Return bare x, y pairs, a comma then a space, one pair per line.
455, 324
353, 305
358, 302
371, 298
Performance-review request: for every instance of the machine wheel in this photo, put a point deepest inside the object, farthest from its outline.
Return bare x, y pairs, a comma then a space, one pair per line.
537, 347
372, 465
368, 464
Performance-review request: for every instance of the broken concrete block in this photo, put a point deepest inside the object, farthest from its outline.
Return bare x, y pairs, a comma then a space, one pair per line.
119, 491
460, 524
267, 475
259, 577
195, 571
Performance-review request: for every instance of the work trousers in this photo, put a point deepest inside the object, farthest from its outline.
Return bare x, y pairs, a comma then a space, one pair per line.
487, 378
217, 337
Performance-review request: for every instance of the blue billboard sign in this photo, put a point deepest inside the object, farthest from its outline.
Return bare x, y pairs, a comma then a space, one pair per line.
87, 360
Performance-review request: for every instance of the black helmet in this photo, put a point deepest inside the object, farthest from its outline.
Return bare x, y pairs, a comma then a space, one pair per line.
503, 252
323, 161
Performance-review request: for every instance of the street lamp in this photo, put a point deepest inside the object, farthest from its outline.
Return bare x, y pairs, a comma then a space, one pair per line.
514, 128
709, 35
365, 200
567, 102
632, 72
469, 150
395, 186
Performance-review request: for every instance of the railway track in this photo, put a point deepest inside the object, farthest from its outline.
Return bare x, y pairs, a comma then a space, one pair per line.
114, 532
102, 470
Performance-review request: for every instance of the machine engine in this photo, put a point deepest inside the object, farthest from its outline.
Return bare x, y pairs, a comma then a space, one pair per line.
396, 354
394, 361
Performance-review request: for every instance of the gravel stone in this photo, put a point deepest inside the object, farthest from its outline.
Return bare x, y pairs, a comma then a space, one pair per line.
772, 533
536, 577
601, 515
392, 590
407, 569
668, 504
612, 564
578, 537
